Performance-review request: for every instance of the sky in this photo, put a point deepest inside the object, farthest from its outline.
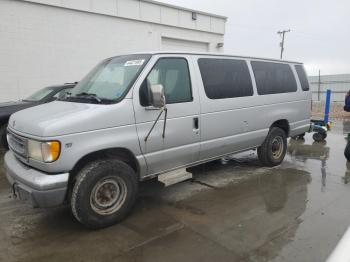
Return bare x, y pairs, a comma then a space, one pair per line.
319, 37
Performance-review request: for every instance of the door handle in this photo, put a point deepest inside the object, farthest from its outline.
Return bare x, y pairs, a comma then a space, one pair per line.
195, 123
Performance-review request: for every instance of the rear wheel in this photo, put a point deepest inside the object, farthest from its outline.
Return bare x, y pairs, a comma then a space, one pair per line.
3, 139
273, 150
104, 193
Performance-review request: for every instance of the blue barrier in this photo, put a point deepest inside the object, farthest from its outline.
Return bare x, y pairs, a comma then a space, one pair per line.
327, 107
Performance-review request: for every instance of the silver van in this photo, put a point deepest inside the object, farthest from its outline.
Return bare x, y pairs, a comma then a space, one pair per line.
137, 116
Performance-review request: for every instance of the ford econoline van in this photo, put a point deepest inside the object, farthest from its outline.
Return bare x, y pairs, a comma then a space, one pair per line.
138, 116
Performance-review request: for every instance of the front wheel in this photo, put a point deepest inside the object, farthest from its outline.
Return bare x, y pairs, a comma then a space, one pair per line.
104, 193
273, 150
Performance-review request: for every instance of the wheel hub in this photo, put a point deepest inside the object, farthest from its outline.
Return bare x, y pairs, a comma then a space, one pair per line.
277, 147
108, 195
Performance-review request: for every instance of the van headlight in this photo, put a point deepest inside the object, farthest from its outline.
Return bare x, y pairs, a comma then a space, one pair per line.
44, 151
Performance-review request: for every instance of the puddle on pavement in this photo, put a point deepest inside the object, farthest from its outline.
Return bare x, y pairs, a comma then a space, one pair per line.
253, 216
324, 158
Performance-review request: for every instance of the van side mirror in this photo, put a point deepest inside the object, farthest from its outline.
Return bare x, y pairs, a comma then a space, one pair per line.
157, 96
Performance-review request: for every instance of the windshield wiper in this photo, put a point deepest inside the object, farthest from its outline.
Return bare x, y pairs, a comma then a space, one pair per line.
89, 95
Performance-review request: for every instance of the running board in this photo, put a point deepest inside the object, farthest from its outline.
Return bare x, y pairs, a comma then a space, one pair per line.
174, 177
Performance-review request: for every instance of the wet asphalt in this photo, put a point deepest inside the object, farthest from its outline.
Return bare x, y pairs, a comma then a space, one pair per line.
231, 211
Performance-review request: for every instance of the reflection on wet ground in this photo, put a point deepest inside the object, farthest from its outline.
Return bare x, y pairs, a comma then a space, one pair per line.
233, 210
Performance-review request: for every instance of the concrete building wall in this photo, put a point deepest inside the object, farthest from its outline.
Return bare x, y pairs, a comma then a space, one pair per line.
46, 42
339, 84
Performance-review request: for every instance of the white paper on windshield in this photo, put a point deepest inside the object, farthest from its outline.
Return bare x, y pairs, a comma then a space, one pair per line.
134, 62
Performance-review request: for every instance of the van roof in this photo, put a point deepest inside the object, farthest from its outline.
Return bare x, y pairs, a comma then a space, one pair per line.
214, 54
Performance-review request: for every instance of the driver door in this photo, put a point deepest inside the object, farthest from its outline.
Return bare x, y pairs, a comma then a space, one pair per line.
181, 143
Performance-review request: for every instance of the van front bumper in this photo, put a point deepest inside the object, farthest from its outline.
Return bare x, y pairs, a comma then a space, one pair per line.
38, 188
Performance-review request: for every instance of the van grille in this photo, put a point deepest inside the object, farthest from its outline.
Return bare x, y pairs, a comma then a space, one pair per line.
17, 144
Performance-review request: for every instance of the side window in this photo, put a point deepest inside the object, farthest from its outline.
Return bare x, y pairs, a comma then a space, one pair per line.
174, 75
273, 78
302, 77
225, 78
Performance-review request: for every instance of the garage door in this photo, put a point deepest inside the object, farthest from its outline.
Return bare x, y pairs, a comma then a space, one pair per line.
173, 44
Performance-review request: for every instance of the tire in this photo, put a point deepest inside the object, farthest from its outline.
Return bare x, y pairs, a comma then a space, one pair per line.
268, 153
318, 137
347, 151
3, 139
95, 185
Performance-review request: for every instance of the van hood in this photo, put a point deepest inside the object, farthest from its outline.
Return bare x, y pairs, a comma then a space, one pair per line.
62, 118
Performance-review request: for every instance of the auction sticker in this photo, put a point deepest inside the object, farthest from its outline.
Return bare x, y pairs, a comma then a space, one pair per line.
134, 62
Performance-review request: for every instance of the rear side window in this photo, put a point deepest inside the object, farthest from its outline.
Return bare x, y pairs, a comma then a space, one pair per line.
273, 78
302, 77
225, 78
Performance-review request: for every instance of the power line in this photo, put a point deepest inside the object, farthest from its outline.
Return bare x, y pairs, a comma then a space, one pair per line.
282, 33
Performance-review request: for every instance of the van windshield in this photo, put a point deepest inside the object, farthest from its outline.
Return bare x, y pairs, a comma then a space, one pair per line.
109, 81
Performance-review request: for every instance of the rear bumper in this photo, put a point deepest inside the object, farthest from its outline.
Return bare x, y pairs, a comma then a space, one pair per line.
38, 188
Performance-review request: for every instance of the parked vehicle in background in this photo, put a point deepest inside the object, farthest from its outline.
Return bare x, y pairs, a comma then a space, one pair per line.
134, 117
45, 95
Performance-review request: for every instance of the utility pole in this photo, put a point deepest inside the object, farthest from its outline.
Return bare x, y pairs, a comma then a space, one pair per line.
282, 33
